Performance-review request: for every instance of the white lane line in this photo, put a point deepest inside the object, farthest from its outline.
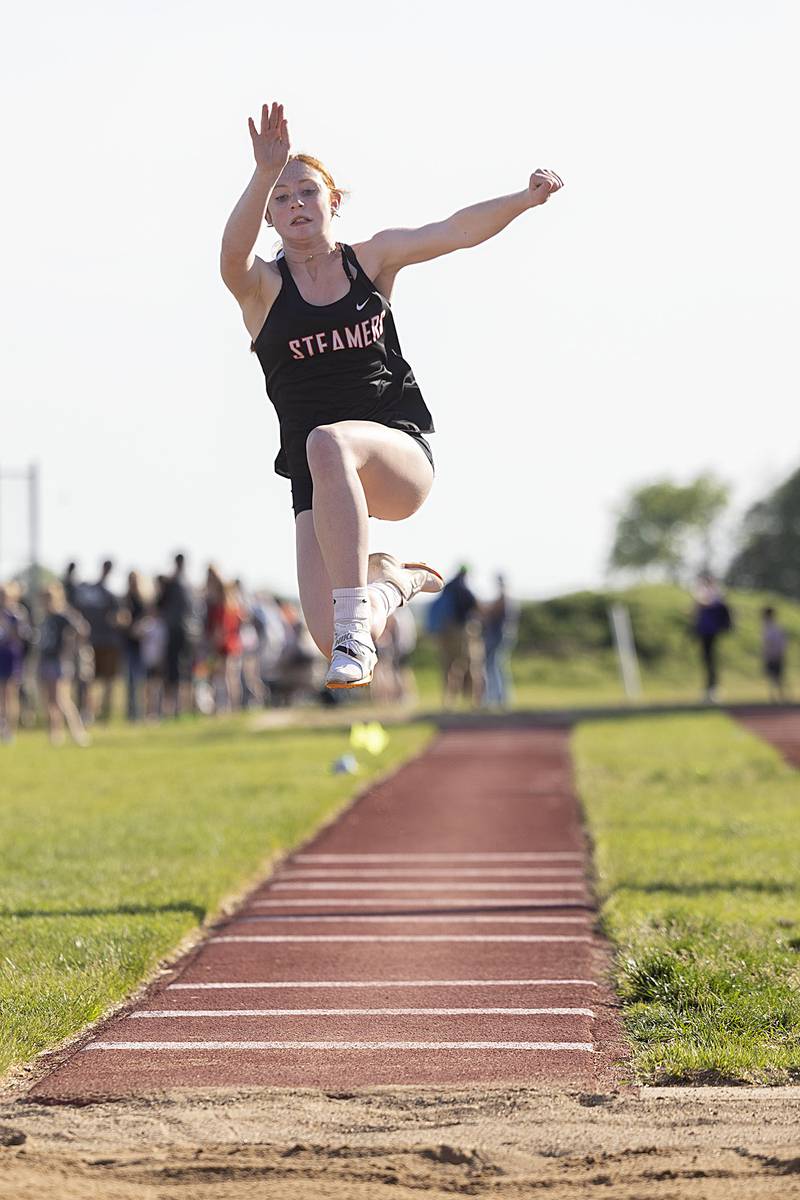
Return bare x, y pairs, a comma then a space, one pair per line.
424, 886
522, 856
588, 1046
384, 983
362, 1012
366, 937
430, 902
447, 872
411, 919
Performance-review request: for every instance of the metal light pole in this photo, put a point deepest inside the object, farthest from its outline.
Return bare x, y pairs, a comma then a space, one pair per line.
626, 650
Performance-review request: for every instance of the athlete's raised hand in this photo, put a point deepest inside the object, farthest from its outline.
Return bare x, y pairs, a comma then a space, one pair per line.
271, 144
542, 185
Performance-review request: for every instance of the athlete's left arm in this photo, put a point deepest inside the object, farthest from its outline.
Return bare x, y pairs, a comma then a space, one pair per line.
395, 248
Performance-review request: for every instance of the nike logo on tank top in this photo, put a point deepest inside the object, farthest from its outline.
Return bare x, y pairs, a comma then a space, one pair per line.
335, 362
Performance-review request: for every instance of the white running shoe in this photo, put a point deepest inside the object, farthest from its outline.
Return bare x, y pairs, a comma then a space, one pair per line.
408, 578
352, 663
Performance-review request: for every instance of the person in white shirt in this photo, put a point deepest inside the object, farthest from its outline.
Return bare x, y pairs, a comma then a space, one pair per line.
153, 636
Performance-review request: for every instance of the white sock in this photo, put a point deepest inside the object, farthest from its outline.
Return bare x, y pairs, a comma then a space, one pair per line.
352, 614
388, 594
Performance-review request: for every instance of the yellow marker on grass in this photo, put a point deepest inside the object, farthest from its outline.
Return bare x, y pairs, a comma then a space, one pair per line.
369, 736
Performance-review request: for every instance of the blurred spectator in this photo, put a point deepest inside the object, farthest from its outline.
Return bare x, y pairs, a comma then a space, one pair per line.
773, 653
393, 681
297, 675
385, 686
274, 634
405, 644
59, 628
452, 618
83, 660
70, 584
711, 618
176, 607
473, 684
153, 648
251, 634
15, 634
499, 633
223, 634
99, 606
215, 592
132, 611
230, 646
27, 682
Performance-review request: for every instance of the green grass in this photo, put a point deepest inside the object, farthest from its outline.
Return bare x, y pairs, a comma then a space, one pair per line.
592, 680
112, 855
695, 824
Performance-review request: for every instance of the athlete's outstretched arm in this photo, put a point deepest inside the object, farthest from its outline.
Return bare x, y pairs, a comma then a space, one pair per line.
238, 263
396, 248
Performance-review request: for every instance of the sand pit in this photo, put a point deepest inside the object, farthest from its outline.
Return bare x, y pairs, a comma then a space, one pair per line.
509, 1143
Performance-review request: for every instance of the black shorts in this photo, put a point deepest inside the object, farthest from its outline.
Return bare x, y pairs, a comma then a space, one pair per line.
303, 484
178, 657
774, 669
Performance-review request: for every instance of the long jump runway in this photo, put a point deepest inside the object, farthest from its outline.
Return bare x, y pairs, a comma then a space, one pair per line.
439, 932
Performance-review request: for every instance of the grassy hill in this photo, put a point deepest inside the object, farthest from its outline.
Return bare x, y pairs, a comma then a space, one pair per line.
565, 654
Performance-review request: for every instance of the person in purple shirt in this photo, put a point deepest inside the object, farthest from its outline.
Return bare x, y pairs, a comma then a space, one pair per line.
712, 617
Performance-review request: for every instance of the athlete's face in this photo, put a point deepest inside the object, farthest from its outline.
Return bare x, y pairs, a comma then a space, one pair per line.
301, 203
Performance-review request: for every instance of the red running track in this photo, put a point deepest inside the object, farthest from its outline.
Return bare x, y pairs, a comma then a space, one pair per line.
440, 932
780, 728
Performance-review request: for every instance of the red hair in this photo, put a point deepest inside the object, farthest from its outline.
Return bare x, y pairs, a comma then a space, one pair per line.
310, 161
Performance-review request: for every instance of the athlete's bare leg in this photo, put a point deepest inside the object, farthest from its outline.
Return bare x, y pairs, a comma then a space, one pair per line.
314, 582
316, 589
360, 469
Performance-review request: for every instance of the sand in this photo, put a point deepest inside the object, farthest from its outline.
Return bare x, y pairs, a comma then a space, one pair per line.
400, 1142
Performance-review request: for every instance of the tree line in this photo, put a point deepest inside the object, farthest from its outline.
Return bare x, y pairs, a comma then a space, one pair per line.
668, 529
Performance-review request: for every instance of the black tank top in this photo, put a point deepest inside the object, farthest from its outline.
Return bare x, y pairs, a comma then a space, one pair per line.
335, 362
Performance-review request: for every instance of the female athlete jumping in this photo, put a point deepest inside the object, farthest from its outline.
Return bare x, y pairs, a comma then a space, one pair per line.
351, 414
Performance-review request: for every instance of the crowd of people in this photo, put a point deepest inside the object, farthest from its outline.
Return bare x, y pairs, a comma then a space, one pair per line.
163, 647
173, 648
169, 648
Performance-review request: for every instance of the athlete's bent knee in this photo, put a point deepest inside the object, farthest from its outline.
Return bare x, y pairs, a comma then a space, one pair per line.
326, 446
